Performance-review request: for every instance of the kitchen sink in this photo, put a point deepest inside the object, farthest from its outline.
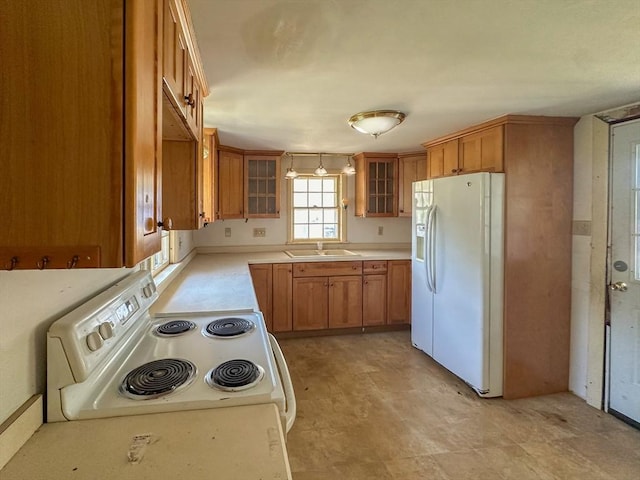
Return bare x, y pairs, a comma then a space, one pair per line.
320, 253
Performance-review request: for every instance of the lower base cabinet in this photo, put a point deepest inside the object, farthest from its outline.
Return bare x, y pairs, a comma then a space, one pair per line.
345, 302
374, 300
333, 295
282, 297
310, 304
399, 291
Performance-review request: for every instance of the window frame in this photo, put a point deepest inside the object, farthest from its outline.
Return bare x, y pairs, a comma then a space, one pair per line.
340, 212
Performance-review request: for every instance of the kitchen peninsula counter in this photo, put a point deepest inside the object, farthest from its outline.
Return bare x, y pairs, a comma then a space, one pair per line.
237, 443
222, 281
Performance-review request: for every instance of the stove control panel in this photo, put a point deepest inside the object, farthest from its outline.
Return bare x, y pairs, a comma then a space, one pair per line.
98, 328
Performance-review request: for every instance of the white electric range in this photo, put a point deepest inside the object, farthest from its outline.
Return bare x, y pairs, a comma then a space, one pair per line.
110, 357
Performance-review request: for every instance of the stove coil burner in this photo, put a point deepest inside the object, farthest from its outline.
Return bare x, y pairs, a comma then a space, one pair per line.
158, 378
175, 327
229, 327
235, 375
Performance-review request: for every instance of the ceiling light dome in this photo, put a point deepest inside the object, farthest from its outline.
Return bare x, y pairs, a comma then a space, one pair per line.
376, 122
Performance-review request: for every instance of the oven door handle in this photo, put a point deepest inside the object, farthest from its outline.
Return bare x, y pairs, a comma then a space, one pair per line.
287, 385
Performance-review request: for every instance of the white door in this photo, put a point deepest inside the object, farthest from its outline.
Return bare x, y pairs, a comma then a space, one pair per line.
624, 293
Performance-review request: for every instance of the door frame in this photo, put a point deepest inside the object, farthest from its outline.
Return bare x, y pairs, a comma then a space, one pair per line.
596, 333
607, 319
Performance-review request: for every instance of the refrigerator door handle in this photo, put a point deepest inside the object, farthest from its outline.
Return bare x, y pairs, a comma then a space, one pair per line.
428, 247
432, 248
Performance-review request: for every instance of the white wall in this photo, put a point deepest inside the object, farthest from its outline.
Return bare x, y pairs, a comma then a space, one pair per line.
359, 230
591, 160
30, 301
581, 256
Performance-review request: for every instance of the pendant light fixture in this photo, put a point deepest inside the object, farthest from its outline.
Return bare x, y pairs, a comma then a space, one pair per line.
291, 173
320, 171
376, 122
349, 169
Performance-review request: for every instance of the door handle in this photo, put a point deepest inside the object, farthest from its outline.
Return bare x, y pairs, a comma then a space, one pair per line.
618, 286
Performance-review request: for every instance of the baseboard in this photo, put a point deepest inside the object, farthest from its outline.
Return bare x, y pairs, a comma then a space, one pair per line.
19, 427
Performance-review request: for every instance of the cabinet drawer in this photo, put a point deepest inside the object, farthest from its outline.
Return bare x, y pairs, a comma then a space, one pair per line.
374, 266
326, 269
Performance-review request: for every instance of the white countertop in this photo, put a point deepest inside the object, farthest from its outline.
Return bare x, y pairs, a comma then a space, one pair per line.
237, 443
220, 282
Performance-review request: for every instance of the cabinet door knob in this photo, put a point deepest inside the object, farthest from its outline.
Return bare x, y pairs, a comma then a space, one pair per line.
166, 224
189, 100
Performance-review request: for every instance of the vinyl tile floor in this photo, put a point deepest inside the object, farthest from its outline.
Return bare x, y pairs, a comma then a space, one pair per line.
373, 407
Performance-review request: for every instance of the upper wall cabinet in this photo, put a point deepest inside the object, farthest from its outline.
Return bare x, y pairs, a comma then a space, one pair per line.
411, 168
184, 81
80, 155
376, 184
475, 151
262, 186
186, 181
230, 183
248, 183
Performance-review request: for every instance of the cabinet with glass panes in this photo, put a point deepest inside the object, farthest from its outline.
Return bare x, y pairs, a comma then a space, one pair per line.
376, 184
262, 186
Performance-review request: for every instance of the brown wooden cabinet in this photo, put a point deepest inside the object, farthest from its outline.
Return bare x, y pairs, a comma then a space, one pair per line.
374, 292
308, 296
182, 71
261, 275
481, 151
209, 170
262, 186
248, 183
536, 154
442, 159
345, 301
327, 294
183, 180
91, 181
310, 303
376, 184
478, 151
412, 167
282, 302
230, 183
398, 291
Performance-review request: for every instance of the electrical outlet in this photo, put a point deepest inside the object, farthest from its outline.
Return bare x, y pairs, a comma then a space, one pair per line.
227, 232
380, 230
260, 232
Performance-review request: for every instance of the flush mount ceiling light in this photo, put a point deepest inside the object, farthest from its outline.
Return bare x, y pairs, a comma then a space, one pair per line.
291, 173
349, 169
376, 122
320, 171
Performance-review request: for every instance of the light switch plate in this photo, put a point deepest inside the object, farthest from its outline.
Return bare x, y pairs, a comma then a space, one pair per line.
260, 232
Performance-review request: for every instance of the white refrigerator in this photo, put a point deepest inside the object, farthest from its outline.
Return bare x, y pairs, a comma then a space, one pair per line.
458, 270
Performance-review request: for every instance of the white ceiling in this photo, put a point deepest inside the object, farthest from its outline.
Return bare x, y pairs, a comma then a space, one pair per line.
288, 74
